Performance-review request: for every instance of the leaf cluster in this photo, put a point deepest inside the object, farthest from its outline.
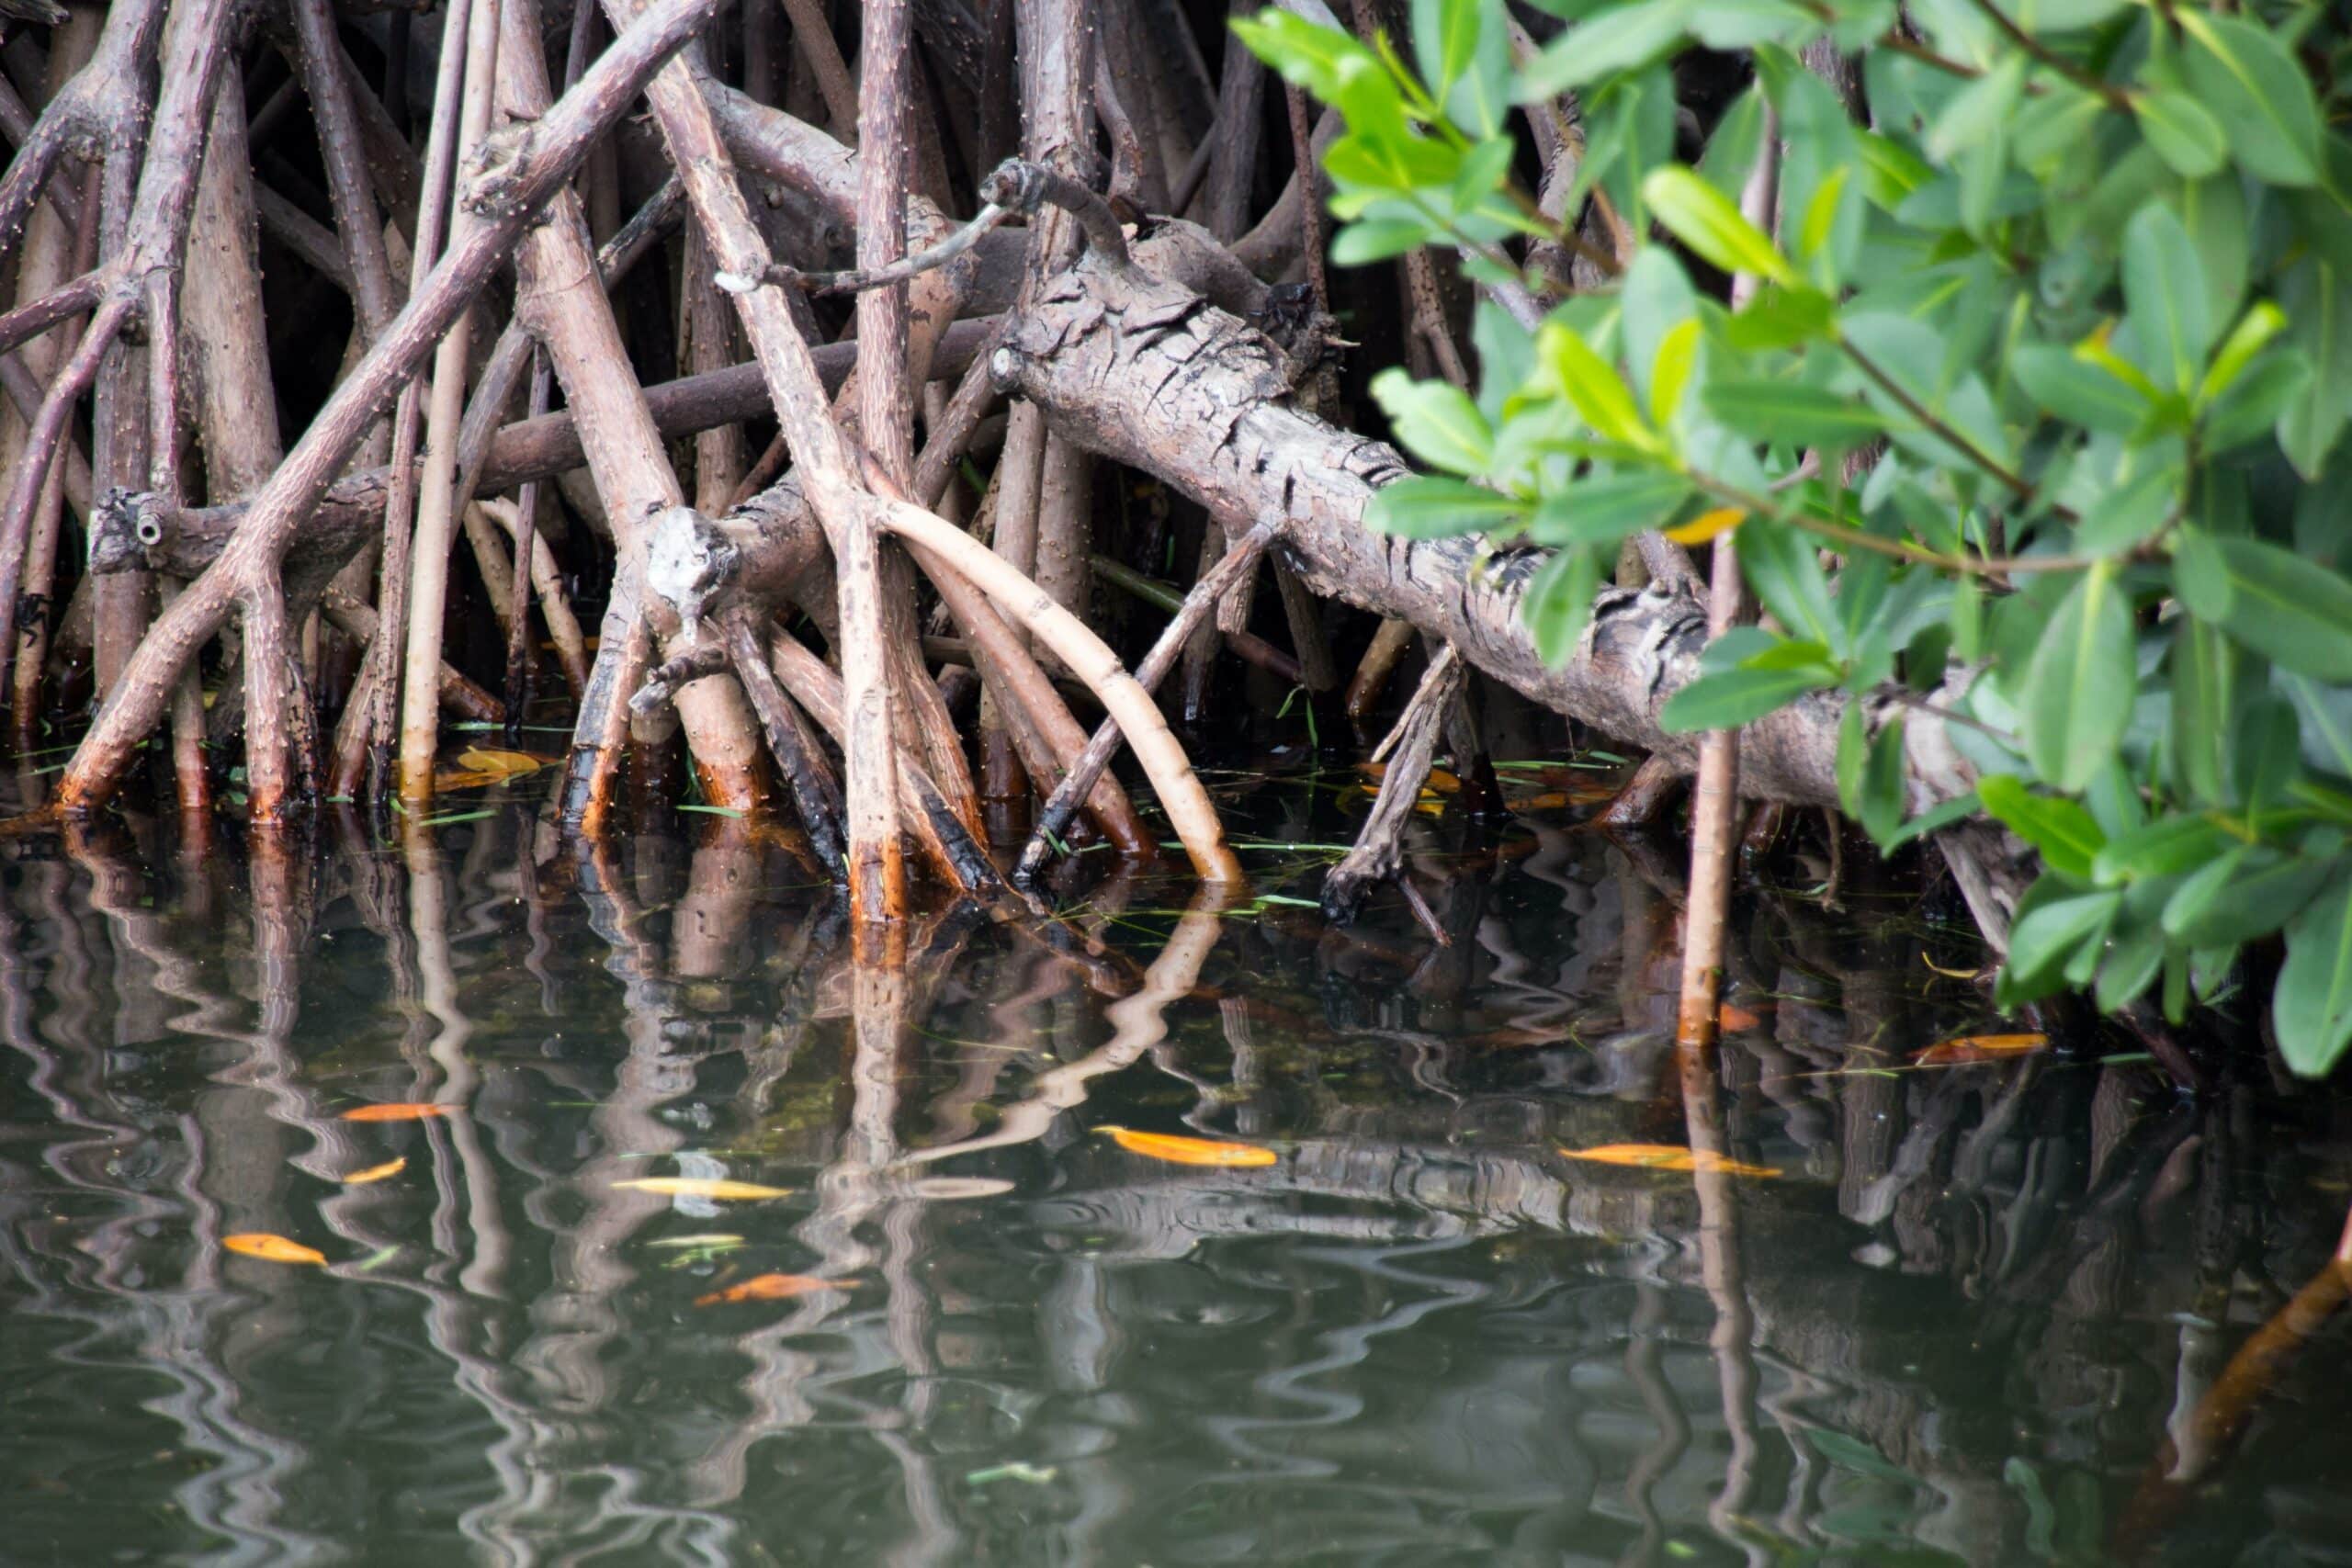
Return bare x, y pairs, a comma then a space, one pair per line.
2031, 415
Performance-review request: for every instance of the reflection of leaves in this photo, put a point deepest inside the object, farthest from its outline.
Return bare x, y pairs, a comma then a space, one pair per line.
702, 1187
772, 1288
1178, 1150
1668, 1156
1852, 1453
272, 1248
401, 1111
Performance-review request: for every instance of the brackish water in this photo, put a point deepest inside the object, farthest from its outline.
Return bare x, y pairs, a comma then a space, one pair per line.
1960, 1325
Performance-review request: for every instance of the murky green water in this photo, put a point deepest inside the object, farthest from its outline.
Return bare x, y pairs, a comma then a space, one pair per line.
1958, 1326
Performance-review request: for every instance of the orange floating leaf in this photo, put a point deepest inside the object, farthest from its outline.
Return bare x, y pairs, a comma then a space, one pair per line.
1706, 525
375, 1173
772, 1288
1732, 1019
703, 1187
272, 1248
500, 764
1438, 781
398, 1111
1178, 1150
1668, 1156
1968, 1048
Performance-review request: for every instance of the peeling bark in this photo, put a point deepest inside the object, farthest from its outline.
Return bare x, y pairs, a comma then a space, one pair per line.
1150, 373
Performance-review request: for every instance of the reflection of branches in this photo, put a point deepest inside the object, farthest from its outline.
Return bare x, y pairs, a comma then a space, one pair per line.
1138, 1023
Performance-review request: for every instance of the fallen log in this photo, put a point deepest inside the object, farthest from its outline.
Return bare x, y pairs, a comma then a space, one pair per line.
1150, 373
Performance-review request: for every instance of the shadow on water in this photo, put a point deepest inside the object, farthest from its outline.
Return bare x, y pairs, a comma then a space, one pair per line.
1978, 1302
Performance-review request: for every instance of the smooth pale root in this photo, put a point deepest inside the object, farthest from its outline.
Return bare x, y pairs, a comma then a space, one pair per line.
1091, 660
1179, 1150
772, 1288
1966, 1048
703, 1187
272, 1248
402, 1111
1668, 1156
376, 1172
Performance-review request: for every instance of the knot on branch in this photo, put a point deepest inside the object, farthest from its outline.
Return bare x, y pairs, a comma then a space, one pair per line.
1022, 186
494, 174
124, 527
663, 681
687, 562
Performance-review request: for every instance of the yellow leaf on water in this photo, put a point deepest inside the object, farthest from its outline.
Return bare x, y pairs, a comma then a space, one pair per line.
703, 1187
1179, 1150
1668, 1156
375, 1173
403, 1111
272, 1248
1950, 974
464, 778
772, 1288
1706, 525
1969, 1048
500, 764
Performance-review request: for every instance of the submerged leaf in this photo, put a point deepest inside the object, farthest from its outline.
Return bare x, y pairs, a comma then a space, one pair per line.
946, 1189
272, 1248
772, 1288
500, 764
702, 1187
1668, 1156
1969, 1048
376, 1172
1178, 1150
400, 1110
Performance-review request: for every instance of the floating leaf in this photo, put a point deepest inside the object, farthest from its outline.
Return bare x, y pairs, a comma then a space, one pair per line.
1668, 1156
1733, 1020
706, 1239
1178, 1150
772, 1288
376, 1172
399, 1110
1967, 1048
503, 764
272, 1248
702, 1187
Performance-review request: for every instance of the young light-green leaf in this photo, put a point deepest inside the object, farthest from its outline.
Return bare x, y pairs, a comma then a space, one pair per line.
1706, 220
1593, 386
1437, 423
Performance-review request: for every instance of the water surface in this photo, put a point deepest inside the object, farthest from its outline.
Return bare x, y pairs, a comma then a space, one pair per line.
1960, 1325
